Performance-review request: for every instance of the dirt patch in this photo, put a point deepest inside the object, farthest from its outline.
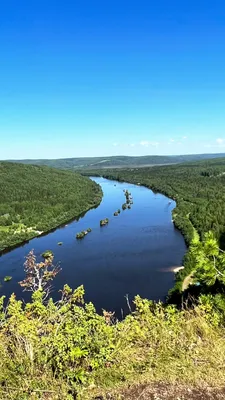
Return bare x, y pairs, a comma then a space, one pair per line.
167, 392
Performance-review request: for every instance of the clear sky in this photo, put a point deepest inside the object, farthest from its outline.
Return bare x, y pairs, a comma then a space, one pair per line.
92, 78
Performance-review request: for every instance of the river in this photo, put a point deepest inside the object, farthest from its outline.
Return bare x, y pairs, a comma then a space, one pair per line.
134, 254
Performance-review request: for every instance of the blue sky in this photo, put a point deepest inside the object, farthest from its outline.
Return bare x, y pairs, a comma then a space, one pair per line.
92, 78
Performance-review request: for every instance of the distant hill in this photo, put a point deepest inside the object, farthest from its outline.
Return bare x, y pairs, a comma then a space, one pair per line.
117, 161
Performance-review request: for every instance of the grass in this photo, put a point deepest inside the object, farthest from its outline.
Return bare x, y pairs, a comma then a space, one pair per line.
156, 348
181, 354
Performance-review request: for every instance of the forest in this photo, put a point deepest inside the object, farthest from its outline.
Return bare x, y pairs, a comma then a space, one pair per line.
118, 161
37, 199
198, 189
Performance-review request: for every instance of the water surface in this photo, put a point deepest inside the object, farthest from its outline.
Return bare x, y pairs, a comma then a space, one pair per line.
134, 254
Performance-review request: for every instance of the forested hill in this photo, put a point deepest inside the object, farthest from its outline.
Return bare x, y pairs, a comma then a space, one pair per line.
36, 199
119, 161
198, 188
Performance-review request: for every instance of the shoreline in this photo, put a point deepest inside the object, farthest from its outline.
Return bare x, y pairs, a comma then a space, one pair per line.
50, 230
173, 198
177, 269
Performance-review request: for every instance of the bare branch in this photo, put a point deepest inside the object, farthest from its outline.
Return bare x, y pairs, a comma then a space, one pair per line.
39, 275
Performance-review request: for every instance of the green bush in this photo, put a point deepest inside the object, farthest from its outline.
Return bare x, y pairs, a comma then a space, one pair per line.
66, 350
7, 278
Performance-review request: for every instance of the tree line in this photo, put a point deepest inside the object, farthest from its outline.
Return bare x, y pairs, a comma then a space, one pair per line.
37, 199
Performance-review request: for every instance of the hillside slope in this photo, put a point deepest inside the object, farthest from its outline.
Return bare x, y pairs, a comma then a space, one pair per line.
36, 199
119, 161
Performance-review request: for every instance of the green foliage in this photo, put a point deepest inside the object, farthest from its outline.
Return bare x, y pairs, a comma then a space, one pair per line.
7, 278
47, 254
82, 234
204, 266
68, 349
208, 261
104, 222
37, 199
198, 189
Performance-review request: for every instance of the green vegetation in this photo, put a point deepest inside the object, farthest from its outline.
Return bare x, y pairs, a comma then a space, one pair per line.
82, 234
116, 213
198, 189
7, 278
104, 222
37, 199
47, 254
65, 350
118, 161
128, 200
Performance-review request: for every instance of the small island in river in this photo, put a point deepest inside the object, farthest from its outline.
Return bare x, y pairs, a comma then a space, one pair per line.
104, 222
82, 234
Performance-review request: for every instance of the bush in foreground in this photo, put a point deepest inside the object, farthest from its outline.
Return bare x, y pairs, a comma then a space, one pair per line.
65, 350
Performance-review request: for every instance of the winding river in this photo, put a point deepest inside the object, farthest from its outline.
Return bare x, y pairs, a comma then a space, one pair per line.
134, 254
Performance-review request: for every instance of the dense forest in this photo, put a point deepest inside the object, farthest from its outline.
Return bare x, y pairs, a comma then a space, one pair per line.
36, 199
119, 161
199, 191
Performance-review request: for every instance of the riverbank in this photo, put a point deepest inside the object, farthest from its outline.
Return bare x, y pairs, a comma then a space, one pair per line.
181, 222
157, 352
185, 228
134, 253
51, 229
36, 200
